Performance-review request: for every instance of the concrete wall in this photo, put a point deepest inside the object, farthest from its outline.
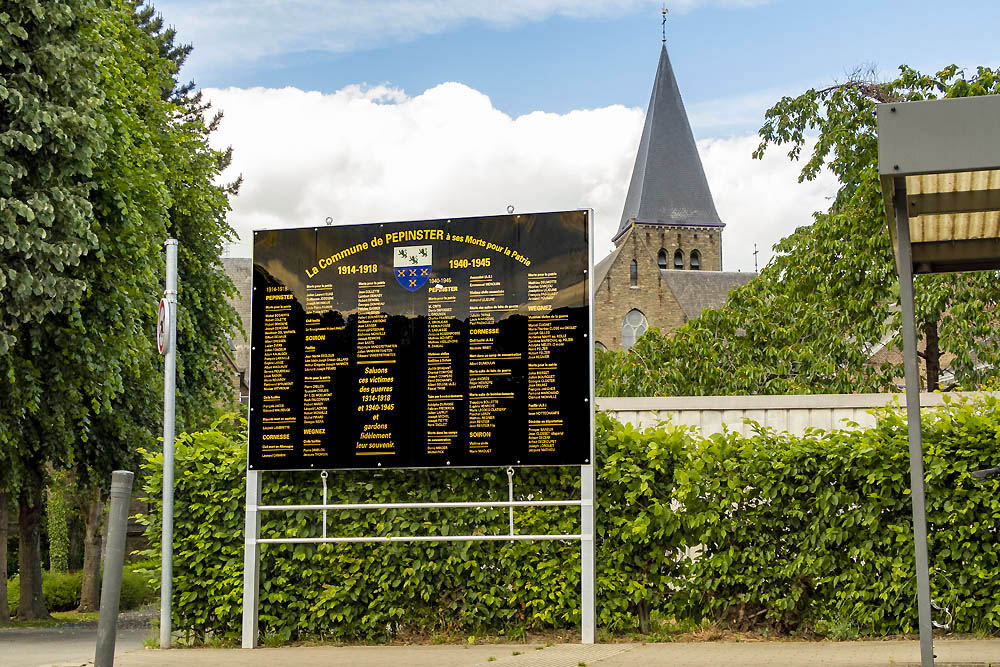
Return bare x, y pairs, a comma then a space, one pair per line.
786, 413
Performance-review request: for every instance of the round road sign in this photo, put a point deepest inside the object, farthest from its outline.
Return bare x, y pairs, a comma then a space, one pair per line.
163, 327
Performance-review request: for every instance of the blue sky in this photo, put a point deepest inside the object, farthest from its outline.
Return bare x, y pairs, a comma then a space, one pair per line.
558, 62
732, 58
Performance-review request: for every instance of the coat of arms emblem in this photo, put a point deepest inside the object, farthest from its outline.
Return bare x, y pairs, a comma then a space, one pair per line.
412, 265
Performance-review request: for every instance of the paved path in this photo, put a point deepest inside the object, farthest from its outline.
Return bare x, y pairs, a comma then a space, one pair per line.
62, 645
680, 654
74, 646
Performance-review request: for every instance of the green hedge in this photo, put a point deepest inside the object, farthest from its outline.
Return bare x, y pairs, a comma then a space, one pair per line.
791, 533
61, 590
359, 591
810, 531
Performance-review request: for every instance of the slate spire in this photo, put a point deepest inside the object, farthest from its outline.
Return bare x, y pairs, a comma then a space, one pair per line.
668, 183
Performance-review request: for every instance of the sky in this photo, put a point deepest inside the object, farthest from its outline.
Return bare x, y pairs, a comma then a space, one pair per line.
373, 111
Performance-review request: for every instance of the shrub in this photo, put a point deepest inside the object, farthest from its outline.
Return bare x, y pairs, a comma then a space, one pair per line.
137, 590
791, 533
801, 530
61, 590
371, 591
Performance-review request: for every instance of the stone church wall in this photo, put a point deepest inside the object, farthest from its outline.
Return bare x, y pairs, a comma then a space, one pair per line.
615, 297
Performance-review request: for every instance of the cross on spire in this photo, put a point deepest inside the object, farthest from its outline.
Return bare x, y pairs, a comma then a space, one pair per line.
663, 24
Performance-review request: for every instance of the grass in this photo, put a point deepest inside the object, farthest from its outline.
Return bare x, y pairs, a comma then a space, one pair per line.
58, 618
272, 640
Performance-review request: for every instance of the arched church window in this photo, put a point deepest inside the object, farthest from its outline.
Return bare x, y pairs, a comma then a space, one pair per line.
633, 274
678, 259
661, 259
601, 346
633, 326
695, 260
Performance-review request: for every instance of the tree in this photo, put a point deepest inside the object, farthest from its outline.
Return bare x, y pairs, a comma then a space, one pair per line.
51, 132
4, 525
82, 382
809, 322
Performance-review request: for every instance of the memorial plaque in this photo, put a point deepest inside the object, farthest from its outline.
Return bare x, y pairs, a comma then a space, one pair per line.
459, 342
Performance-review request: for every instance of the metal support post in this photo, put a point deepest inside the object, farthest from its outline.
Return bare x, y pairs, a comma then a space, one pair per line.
588, 494
251, 560
114, 559
323, 475
913, 426
510, 496
587, 565
169, 392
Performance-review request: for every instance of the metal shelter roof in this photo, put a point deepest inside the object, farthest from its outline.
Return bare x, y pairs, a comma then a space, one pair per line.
668, 183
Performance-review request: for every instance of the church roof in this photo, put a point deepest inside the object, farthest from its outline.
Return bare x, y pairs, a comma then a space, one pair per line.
668, 183
698, 290
602, 267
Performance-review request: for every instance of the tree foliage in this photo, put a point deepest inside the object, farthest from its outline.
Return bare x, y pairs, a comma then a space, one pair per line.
105, 156
810, 322
52, 133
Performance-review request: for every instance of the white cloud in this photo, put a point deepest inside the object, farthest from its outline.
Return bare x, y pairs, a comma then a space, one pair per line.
759, 200
229, 31
375, 154
738, 112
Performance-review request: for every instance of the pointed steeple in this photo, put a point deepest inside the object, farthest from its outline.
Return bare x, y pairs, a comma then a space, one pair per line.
668, 183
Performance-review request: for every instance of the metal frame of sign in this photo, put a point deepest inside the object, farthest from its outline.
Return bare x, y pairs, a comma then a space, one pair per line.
254, 508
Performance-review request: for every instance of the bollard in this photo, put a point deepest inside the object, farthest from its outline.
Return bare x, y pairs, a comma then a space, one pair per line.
114, 560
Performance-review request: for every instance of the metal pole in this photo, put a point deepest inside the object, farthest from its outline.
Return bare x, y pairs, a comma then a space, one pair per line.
510, 496
323, 475
913, 426
587, 565
169, 395
251, 560
412, 506
114, 559
588, 570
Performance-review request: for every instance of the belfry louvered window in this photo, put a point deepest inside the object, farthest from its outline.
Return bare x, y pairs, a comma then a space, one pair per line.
633, 274
695, 260
661, 259
678, 259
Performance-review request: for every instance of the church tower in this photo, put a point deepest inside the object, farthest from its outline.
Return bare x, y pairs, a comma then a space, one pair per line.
668, 197
667, 263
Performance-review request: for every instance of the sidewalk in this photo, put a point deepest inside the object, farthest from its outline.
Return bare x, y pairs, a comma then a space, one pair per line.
681, 654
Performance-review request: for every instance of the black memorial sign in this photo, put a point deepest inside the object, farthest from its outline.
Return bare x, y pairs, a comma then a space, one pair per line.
459, 342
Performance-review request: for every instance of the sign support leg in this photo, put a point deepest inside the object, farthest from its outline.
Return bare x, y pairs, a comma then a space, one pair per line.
587, 565
251, 560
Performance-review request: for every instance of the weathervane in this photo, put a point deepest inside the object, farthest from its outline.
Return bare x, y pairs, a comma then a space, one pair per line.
663, 24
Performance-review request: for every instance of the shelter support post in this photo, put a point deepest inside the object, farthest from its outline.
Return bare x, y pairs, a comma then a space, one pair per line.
251, 560
587, 565
913, 427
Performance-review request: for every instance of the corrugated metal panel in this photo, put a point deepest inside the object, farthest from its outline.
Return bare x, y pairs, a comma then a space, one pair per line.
954, 226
